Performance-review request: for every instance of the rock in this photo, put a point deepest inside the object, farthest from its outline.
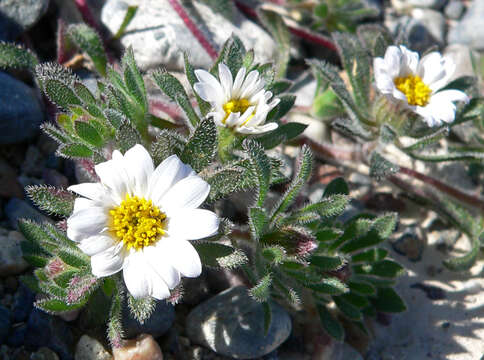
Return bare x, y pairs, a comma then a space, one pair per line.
44, 353
17, 16
50, 331
422, 33
17, 336
409, 245
433, 292
470, 28
461, 55
144, 347
11, 260
33, 162
9, 185
402, 5
19, 209
342, 351
231, 324
23, 302
4, 323
433, 21
159, 322
454, 9
21, 112
90, 349
158, 35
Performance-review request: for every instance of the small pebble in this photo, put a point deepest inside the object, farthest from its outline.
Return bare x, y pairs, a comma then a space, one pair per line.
144, 347
433, 292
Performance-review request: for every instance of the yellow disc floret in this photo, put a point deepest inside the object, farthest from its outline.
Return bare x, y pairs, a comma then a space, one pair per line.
416, 91
237, 106
137, 222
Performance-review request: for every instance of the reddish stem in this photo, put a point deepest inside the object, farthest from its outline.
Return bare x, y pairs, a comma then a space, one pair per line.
86, 13
295, 30
175, 4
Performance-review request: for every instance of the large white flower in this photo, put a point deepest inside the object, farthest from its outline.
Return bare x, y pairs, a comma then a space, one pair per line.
139, 219
241, 104
416, 83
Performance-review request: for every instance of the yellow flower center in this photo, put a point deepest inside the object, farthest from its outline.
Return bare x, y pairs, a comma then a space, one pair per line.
237, 106
137, 222
416, 91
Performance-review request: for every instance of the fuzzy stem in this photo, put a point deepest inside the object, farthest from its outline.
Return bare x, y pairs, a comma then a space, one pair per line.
175, 4
86, 13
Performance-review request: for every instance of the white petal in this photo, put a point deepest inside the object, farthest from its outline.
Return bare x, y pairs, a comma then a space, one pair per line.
248, 85
448, 67
190, 192
182, 255
239, 79
82, 203
160, 262
226, 79
86, 222
442, 110
450, 95
93, 191
108, 262
430, 68
409, 61
113, 174
242, 119
139, 164
393, 57
96, 244
192, 224
207, 78
206, 92
232, 119
140, 278
167, 174
259, 129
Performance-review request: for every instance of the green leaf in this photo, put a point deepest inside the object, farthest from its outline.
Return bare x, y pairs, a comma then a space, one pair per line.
115, 118
385, 224
258, 221
462, 83
52, 200
114, 325
55, 306
327, 263
466, 261
282, 134
336, 186
89, 41
224, 182
280, 33
285, 104
371, 255
375, 38
60, 94
387, 300
327, 234
428, 140
330, 324
201, 146
134, 80
88, 133
142, 308
167, 143
31, 282
127, 136
130, 13
74, 258
329, 73
327, 105
64, 278
84, 93
261, 292
330, 286
384, 268
232, 55
74, 151
329, 206
356, 64
361, 287
274, 254
176, 92
280, 86
14, 56
380, 167
262, 167
372, 238
347, 309
305, 164
219, 255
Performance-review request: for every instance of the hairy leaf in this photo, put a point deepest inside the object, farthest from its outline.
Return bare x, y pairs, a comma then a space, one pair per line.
88, 40
14, 56
52, 200
201, 146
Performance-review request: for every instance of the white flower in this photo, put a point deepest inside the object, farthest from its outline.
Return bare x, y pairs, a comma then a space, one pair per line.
241, 104
416, 83
139, 219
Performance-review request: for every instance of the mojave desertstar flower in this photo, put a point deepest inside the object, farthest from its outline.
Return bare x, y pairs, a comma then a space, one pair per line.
240, 104
416, 83
139, 219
